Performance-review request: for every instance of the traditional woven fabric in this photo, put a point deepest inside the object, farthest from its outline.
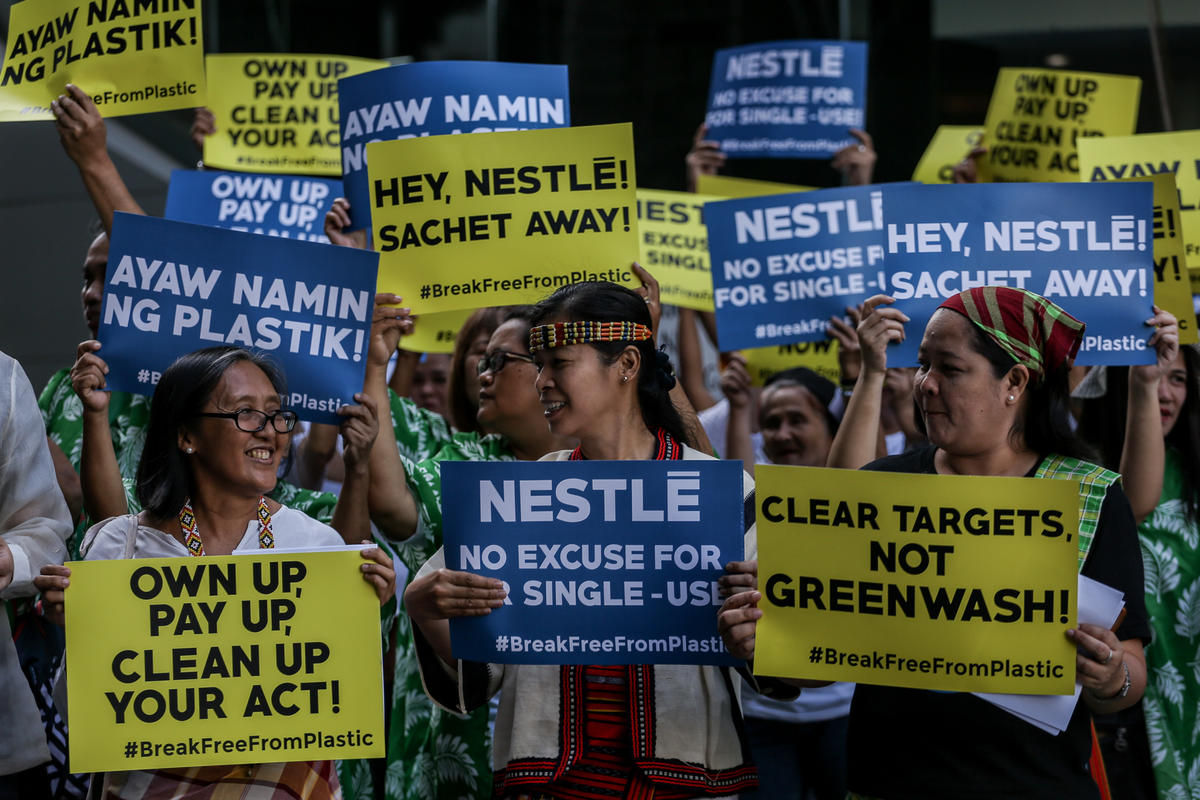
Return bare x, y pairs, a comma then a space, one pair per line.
1093, 486
310, 780
564, 334
605, 730
191, 536
1034, 331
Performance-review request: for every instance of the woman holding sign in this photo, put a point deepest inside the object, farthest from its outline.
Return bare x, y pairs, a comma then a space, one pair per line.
583, 731
215, 436
992, 395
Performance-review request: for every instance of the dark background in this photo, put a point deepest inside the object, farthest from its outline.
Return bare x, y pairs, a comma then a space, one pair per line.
931, 62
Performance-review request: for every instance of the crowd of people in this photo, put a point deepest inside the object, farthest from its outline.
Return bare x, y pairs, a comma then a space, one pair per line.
214, 462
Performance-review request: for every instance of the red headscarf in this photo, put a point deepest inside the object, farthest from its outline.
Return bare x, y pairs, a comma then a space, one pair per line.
1030, 328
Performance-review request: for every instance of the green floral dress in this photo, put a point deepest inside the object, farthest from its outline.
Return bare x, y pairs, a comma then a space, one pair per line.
1171, 554
431, 753
62, 413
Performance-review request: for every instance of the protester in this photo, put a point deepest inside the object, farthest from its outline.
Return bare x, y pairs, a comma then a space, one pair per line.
34, 527
799, 746
215, 436
82, 133
992, 393
1157, 448
470, 345
610, 389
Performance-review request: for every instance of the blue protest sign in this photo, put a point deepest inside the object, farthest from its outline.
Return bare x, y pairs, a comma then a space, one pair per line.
173, 287
787, 99
606, 562
1086, 246
783, 264
431, 98
289, 206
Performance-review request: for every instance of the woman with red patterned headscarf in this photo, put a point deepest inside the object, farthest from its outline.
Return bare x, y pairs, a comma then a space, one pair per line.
991, 392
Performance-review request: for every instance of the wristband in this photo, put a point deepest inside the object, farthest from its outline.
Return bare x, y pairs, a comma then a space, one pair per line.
1122, 692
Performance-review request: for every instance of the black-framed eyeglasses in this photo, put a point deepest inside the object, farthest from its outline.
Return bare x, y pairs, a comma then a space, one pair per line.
494, 361
251, 420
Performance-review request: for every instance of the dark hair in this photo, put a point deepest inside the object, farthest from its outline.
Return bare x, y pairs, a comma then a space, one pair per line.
462, 407
1102, 422
601, 301
163, 476
1046, 426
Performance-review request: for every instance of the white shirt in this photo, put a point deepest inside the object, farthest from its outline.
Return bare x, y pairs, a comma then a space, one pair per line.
106, 541
35, 524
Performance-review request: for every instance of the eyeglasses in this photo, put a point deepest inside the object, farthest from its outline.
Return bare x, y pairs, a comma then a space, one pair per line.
251, 420
494, 361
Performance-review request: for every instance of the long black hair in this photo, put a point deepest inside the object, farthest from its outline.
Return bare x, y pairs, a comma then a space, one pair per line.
1102, 421
1046, 426
163, 476
601, 301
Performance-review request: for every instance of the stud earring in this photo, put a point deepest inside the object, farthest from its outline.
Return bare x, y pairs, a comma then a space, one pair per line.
189, 451
624, 379
1011, 398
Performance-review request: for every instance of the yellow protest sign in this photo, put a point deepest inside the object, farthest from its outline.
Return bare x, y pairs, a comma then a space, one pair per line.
278, 112
245, 659
726, 186
1172, 284
435, 333
949, 145
674, 246
881, 577
488, 219
1036, 116
131, 56
821, 357
1148, 154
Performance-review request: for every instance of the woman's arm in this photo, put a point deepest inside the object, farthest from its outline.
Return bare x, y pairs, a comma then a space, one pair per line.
393, 508
735, 383
1143, 452
691, 363
360, 428
857, 440
99, 472
81, 130
1112, 671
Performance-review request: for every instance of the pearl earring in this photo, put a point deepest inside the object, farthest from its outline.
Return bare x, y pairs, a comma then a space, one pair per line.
624, 379
189, 450
1011, 398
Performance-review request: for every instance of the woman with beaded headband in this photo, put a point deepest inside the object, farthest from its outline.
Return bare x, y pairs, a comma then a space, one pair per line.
216, 432
602, 382
991, 391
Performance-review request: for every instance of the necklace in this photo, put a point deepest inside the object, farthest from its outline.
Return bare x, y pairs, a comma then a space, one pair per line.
191, 536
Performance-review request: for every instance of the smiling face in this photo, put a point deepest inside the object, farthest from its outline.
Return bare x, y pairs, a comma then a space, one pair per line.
793, 427
230, 459
964, 405
507, 398
94, 266
578, 388
1172, 393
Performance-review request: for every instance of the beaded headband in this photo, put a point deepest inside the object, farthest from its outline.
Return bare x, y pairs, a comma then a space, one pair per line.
563, 334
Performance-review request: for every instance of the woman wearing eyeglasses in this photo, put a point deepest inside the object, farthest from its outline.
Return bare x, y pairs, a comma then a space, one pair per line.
216, 433
432, 753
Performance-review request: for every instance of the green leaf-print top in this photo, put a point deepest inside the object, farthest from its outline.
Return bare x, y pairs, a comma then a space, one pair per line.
1171, 553
431, 754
